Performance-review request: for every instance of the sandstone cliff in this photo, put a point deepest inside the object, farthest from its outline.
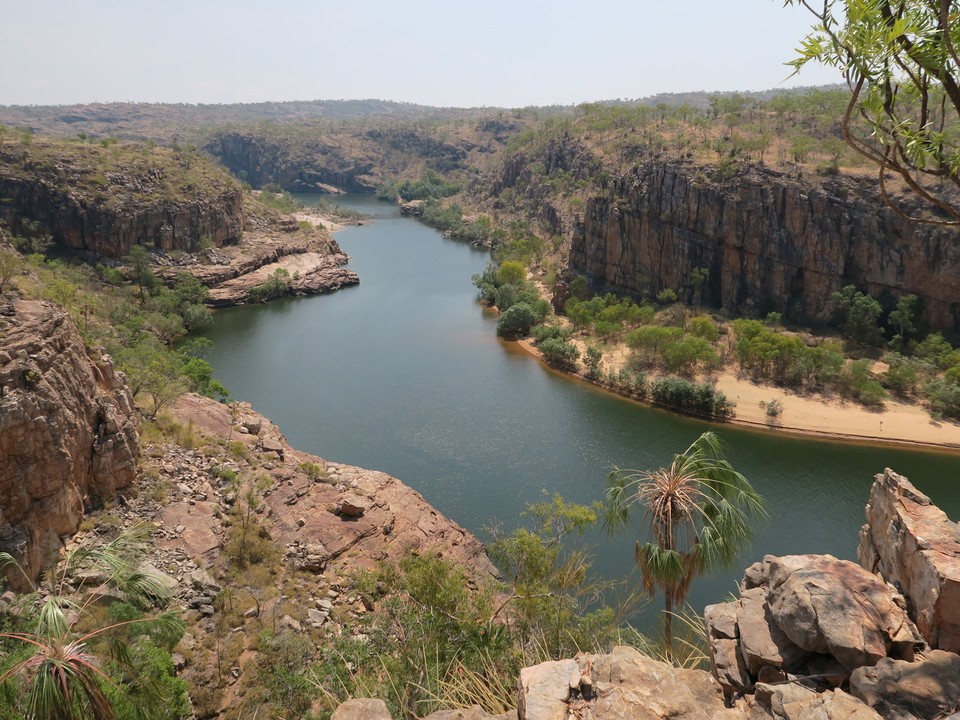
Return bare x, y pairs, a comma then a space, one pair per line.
769, 242
67, 436
106, 199
912, 543
259, 160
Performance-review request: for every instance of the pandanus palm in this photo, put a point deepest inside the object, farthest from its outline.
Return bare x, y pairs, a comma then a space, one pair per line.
697, 514
60, 676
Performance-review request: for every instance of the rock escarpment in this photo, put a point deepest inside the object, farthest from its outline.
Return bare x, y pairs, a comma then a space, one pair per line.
770, 243
259, 160
67, 434
106, 199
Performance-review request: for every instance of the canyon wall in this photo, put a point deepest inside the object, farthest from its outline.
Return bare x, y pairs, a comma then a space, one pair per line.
258, 160
105, 198
770, 243
111, 230
67, 436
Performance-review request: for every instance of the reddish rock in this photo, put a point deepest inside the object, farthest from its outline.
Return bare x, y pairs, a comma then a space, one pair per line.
912, 543
901, 690
769, 242
67, 433
397, 521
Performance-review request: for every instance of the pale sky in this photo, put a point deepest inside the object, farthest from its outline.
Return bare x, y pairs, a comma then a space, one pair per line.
506, 53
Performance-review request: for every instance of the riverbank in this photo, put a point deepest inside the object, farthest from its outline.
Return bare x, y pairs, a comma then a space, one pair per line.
816, 415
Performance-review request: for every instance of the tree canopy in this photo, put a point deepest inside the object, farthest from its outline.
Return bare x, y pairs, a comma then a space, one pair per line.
899, 58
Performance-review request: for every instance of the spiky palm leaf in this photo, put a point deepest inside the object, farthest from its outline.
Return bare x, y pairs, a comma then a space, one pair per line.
697, 514
60, 678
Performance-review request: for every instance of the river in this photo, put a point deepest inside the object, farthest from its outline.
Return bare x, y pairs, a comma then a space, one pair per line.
404, 373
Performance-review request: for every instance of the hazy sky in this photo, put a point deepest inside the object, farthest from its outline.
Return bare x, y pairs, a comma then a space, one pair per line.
436, 52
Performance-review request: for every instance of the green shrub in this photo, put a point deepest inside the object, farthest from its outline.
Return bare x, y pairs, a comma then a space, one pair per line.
696, 398
516, 321
560, 353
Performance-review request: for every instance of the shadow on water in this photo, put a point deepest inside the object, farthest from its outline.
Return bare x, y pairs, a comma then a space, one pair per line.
405, 374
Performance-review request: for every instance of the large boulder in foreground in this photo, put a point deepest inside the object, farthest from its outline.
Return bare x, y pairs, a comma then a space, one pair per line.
806, 615
914, 545
621, 685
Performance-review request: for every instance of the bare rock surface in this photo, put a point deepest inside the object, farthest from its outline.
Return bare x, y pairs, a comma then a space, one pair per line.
361, 709
901, 690
313, 259
68, 438
790, 701
622, 685
912, 544
395, 520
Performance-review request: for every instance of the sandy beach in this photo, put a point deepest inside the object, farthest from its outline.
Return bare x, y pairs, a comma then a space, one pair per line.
813, 414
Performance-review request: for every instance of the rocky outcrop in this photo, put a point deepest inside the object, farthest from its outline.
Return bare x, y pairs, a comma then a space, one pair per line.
67, 434
313, 261
770, 243
327, 515
309, 274
912, 544
88, 200
807, 616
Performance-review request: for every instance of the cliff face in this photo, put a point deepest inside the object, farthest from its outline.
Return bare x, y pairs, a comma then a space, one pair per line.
106, 199
770, 244
67, 435
258, 161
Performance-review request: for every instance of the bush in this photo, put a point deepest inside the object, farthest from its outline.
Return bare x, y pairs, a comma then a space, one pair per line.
943, 397
856, 381
544, 332
560, 353
277, 285
516, 321
696, 398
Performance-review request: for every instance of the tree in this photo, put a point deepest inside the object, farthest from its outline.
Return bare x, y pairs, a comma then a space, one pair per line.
696, 513
143, 274
859, 314
9, 266
516, 321
899, 59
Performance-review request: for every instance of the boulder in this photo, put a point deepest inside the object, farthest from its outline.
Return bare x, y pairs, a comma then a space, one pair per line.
726, 662
901, 690
251, 425
837, 608
806, 616
361, 709
624, 685
545, 690
352, 505
790, 701
762, 641
915, 546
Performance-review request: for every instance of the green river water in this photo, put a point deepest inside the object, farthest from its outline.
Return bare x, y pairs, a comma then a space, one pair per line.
404, 373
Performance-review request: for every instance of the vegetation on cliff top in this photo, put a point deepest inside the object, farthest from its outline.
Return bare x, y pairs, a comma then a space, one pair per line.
111, 173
